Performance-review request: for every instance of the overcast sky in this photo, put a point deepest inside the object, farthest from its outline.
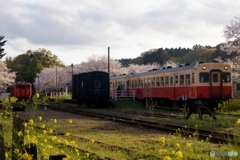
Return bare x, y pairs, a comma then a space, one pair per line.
76, 29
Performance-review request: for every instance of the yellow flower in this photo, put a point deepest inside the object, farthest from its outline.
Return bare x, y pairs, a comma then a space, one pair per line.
179, 155
188, 145
87, 154
26, 156
50, 131
40, 118
161, 140
177, 145
6, 154
25, 124
54, 138
167, 158
16, 151
238, 122
43, 126
73, 143
44, 131
55, 121
31, 121
20, 133
92, 141
66, 142
67, 134
69, 121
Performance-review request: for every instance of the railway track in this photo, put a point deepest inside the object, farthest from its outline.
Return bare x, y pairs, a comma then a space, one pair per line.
212, 136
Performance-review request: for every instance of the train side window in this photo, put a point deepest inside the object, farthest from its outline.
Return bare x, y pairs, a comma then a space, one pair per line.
157, 81
166, 80
187, 79
135, 83
162, 81
171, 81
176, 79
203, 77
215, 77
153, 82
181, 80
149, 82
141, 83
226, 77
193, 78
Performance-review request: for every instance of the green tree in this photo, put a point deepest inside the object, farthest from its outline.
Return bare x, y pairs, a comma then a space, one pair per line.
155, 56
29, 64
2, 43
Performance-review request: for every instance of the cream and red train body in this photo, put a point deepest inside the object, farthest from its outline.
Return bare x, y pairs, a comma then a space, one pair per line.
208, 82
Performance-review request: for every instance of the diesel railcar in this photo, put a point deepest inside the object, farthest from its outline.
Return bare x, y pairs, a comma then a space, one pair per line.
91, 88
208, 82
20, 90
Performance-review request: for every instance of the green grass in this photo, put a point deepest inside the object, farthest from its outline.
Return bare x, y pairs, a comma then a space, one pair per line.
148, 144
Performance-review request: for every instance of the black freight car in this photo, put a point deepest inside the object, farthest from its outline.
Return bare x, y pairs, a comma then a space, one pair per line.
91, 88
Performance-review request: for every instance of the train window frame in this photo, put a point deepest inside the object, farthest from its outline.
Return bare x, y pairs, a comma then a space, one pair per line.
142, 83
227, 78
162, 81
187, 79
204, 77
166, 81
181, 79
153, 82
171, 81
136, 83
215, 78
158, 81
176, 79
193, 78
97, 84
149, 82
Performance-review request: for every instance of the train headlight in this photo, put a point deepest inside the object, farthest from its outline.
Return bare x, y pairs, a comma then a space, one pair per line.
225, 67
204, 67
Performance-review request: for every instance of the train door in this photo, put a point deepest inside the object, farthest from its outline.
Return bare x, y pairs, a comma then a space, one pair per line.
215, 83
176, 86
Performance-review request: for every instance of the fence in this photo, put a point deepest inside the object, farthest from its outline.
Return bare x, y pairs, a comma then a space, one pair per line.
123, 95
55, 95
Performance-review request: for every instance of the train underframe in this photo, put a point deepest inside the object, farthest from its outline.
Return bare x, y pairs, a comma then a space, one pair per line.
211, 104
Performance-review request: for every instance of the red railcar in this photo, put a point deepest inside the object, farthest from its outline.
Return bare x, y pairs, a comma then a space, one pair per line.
208, 82
21, 90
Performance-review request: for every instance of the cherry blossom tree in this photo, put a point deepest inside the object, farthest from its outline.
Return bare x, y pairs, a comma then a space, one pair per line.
133, 68
232, 36
6, 76
47, 77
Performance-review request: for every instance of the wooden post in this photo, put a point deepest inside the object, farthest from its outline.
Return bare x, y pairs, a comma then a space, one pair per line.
17, 138
2, 147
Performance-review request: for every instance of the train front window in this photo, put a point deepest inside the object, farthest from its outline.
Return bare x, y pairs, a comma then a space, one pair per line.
215, 77
97, 84
203, 77
226, 77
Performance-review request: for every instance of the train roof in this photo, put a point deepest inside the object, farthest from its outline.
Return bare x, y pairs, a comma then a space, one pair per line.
21, 83
90, 72
163, 70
